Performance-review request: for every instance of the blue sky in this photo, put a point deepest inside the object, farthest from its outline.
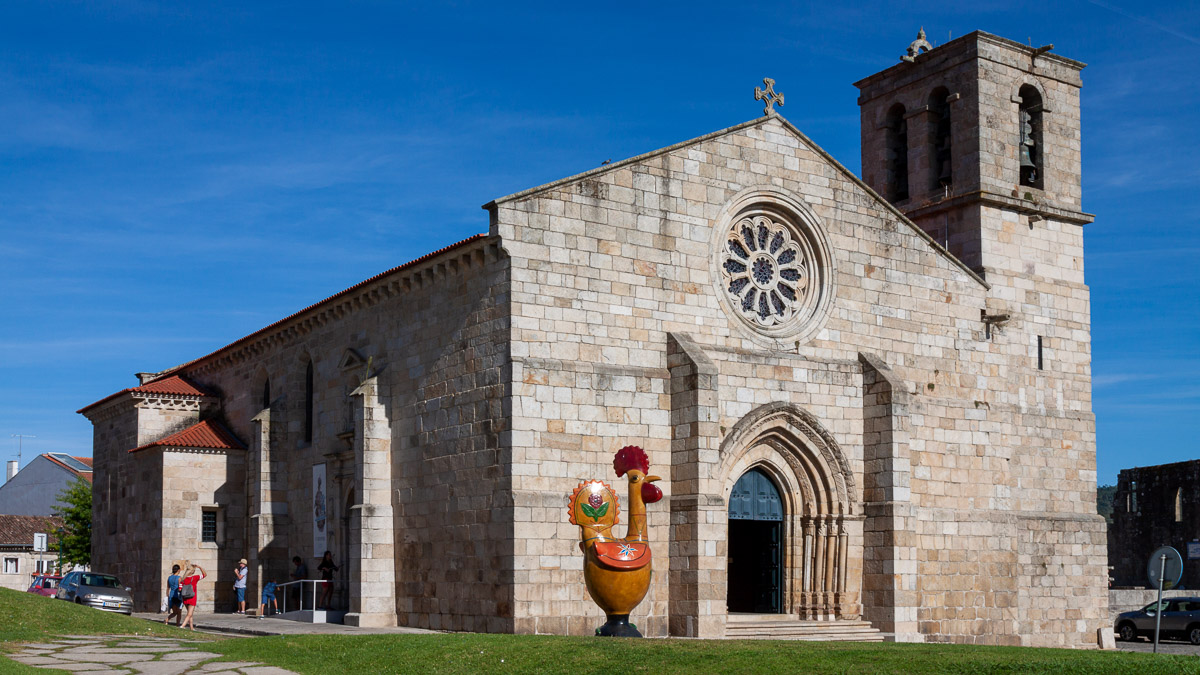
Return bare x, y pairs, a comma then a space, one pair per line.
176, 176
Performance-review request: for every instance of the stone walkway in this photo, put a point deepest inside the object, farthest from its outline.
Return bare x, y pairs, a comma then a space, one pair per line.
131, 655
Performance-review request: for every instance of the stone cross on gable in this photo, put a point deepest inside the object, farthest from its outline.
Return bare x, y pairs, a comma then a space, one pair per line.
768, 96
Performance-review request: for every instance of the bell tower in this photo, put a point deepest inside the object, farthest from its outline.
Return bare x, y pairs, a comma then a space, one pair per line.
977, 141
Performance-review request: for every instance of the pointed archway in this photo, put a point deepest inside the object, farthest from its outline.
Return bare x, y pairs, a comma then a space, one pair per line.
821, 531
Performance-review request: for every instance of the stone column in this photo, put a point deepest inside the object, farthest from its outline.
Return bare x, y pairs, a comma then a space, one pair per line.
889, 540
699, 516
372, 529
266, 502
921, 155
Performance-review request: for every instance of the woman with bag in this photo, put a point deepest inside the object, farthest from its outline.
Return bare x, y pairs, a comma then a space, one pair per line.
189, 591
174, 599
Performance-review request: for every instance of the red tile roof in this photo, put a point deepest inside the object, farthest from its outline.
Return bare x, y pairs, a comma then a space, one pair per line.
19, 530
206, 434
331, 298
173, 385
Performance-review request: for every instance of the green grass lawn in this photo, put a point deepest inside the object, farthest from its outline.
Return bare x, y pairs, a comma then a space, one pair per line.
28, 618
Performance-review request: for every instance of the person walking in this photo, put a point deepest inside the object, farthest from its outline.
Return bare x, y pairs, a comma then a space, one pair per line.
174, 600
191, 580
326, 568
239, 586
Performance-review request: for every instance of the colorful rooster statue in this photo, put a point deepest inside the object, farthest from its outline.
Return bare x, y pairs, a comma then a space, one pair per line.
616, 571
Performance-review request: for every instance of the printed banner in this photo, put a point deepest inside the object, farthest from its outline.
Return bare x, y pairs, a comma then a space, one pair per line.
1193, 549
320, 522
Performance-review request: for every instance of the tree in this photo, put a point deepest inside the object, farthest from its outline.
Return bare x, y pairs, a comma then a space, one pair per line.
75, 508
1104, 501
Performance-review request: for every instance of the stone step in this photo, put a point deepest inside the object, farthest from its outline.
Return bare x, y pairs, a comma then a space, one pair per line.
780, 627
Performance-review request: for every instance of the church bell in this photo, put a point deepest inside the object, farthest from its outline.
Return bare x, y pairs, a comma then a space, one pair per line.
1027, 141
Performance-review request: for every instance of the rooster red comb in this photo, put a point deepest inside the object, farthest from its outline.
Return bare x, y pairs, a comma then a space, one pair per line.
631, 457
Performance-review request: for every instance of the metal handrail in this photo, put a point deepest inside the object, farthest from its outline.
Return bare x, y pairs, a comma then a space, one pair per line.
316, 584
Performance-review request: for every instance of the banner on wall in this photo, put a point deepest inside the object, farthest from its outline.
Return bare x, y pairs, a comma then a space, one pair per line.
320, 522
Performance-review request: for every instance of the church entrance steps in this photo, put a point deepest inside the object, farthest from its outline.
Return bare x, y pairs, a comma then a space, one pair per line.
311, 616
787, 627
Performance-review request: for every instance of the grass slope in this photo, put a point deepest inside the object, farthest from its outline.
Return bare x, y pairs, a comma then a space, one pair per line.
25, 617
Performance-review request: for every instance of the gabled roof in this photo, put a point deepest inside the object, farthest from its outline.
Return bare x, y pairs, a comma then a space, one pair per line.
80, 466
850, 175
171, 386
206, 434
19, 530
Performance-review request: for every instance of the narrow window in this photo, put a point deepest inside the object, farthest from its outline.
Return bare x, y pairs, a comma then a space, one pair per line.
11, 566
1179, 505
896, 154
308, 403
941, 169
1133, 493
1031, 151
1039, 347
208, 526
266, 395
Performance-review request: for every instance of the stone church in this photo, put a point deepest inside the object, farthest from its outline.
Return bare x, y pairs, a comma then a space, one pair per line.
869, 398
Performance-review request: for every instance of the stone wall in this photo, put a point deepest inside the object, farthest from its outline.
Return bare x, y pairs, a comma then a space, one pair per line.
127, 503
432, 339
608, 263
1154, 506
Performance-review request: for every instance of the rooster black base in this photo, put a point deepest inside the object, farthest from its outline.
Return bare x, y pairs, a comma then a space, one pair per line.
618, 626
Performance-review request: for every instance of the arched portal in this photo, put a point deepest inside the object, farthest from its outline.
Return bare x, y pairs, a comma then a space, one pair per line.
755, 571
821, 523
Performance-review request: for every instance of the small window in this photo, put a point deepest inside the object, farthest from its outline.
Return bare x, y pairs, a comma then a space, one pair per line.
1133, 496
12, 566
1040, 362
208, 526
1179, 505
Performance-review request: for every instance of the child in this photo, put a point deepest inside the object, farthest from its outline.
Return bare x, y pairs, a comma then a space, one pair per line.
268, 598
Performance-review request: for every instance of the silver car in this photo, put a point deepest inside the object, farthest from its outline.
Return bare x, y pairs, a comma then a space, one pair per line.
102, 591
1180, 618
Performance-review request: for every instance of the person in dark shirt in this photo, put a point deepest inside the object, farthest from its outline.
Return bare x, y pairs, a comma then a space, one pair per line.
326, 568
299, 574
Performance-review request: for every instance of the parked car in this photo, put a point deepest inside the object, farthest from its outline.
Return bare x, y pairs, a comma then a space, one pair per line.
102, 591
45, 584
1180, 618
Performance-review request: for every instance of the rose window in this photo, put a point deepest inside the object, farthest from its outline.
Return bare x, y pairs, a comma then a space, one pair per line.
764, 270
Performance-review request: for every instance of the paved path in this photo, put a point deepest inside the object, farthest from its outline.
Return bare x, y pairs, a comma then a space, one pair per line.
241, 624
1164, 646
132, 655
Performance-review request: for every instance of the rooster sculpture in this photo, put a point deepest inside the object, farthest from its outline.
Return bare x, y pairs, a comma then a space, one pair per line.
616, 571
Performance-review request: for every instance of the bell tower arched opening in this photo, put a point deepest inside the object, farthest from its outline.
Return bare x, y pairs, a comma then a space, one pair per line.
755, 561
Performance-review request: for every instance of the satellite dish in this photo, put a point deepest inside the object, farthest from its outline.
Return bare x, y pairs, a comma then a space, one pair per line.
1174, 568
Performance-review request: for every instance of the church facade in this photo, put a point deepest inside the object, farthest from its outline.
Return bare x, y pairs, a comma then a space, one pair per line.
895, 369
